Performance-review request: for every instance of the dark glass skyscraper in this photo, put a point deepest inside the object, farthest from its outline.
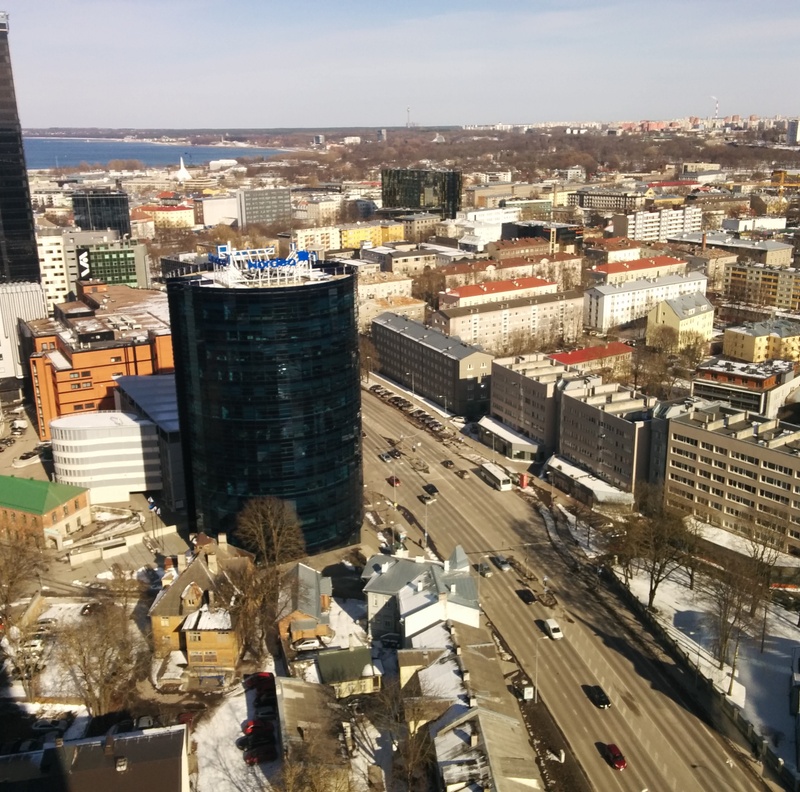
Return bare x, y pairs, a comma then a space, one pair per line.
267, 379
102, 208
432, 190
19, 260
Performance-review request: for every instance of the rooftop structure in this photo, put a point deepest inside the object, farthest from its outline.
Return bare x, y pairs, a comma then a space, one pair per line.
765, 251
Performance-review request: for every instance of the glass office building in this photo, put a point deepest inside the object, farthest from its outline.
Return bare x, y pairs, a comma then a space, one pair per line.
100, 209
267, 379
429, 190
19, 259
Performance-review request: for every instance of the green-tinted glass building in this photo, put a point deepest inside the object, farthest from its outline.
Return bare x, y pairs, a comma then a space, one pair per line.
431, 190
267, 380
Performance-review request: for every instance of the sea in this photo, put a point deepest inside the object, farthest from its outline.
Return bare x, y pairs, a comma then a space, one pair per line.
45, 152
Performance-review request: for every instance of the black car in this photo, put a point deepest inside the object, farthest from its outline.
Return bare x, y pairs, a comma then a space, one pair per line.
395, 453
526, 595
599, 697
431, 489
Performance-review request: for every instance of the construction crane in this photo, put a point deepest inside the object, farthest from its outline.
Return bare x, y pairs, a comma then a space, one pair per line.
783, 179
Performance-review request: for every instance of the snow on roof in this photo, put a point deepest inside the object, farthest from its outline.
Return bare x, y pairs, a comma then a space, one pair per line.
442, 679
737, 543
208, 619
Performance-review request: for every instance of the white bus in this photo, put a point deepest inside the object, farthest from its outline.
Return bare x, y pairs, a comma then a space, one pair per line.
494, 475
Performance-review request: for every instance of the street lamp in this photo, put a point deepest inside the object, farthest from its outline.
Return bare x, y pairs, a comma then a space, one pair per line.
413, 389
444, 397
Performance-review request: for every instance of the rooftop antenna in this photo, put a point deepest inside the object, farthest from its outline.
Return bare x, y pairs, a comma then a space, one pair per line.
408, 117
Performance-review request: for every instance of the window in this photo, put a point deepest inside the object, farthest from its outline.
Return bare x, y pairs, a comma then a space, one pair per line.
194, 637
116, 359
86, 374
165, 621
87, 384
74, 375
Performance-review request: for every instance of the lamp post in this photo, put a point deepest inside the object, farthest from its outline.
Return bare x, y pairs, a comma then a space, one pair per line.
443, 396
413, 389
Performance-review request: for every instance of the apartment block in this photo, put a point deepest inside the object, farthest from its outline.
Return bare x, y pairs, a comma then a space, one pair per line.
658, 225
605, 428
691, 316
401, 258
760, 341
611, 306
607, 198
434, 365
761, 388
611, 250
550, 317
494, 291
774, 254
518, 248
763, 285
736, 470
264, 205
618, 272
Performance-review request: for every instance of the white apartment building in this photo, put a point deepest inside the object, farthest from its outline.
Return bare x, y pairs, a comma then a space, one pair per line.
657, 225
605, 307
738, 224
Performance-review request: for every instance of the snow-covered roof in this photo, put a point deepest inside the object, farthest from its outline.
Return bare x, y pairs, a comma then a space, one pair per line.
206, 618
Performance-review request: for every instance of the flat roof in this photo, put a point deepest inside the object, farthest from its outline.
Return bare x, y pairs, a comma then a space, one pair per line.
155, 395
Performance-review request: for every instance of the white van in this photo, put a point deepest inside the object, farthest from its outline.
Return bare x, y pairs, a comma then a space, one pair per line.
553, 630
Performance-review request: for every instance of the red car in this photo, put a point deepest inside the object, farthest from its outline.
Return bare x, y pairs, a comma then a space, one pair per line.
615, 757
394, 481
265, 752
261, 681
258, 725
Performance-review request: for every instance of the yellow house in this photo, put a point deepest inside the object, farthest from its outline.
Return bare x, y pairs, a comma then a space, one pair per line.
755, 343
690, 315
192, 615
349, 672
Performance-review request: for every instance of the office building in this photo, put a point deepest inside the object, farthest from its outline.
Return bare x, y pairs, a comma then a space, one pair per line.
77, 356
433, 365
18, 257
101, 209
430, 190
122, 262
265, 205
267, 380
793, 132
19, 302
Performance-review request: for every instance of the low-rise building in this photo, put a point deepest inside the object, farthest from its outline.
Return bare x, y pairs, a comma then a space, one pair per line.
760, 341
112, 454
434, 365
763, 388
605, 307
551, 318
401, 258
350, 672
774, 254
612, 250
308, 605
518, 248
614, 357
495, 291
691, 316
194, 615
45, 511
618, 272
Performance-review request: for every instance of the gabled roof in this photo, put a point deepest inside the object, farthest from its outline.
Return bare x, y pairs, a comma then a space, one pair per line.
654, 262
345, 665
689, 305
306, 587
35, 497
588, 354
499, 287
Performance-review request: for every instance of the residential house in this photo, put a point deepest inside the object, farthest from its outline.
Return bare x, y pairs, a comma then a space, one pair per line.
350, 672
193, 616
691, 316
308, 605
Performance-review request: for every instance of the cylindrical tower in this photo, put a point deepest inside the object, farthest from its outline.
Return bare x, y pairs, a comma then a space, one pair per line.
267, 380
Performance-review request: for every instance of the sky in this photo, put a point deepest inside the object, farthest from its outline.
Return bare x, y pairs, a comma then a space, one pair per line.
233, 64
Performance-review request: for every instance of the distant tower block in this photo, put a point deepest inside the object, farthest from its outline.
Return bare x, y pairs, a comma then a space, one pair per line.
382, 136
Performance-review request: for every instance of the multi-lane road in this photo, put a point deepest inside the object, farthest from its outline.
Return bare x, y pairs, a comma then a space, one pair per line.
668, 747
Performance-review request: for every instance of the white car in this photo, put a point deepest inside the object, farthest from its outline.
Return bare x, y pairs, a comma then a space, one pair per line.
307, 645
553, 630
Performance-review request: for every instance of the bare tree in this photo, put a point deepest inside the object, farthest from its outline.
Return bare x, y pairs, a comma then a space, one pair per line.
20, 561
104, 656
368, 357
270, 528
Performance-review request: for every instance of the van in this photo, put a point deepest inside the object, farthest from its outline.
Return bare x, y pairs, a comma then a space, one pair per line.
553, 630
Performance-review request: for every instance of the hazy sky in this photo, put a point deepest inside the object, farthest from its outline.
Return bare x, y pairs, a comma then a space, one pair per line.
323, 63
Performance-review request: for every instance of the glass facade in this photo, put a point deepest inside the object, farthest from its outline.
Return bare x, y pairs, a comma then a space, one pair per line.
269, 402
407, 188
98, 210
19, 259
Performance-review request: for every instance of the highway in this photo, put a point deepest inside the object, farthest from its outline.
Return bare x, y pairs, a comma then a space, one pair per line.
667, 746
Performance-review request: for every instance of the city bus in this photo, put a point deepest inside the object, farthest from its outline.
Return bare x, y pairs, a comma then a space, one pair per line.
495, 475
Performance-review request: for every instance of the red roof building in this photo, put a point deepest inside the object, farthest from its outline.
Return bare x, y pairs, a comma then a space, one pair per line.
495, 291
610, 356
618, 272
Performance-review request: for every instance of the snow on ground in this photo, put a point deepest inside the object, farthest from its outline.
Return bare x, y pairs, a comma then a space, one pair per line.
761, 687
221, 767
372, 748
344, 618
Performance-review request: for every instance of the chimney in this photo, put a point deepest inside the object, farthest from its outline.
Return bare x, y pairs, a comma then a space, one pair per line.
222, 539
211, 560
181, 562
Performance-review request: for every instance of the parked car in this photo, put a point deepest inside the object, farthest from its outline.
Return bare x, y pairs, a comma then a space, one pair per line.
44, 725
615, 757
254, 740
599, 697
484, 569
307, 645
266, 711
395, 453
260, 681
449, 464
258, 724
90, 608
385, 457
266, 752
